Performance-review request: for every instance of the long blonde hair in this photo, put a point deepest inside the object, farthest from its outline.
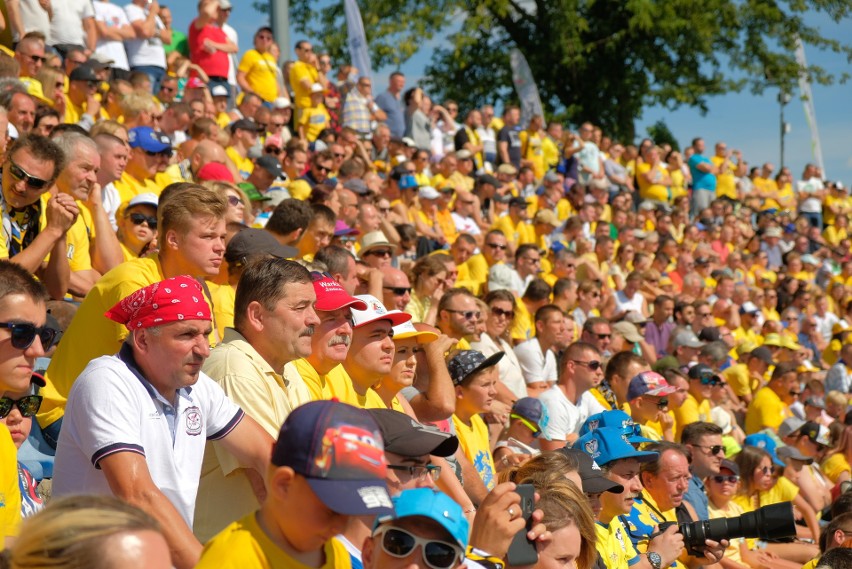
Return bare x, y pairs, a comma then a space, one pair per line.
70, 533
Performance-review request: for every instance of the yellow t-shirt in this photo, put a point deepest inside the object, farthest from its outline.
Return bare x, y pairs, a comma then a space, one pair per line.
475, 271
10, 494
726, 183
244, 165
835, 465
733, 510
244, 545
315, 120
766, 410
522, 326
317, 384
473, 441
783, 491
532, 150
690, 412
298, 71
650, 191
261, 74
740, 380
551, 152
613, 545
340, 385
79, 238
299, 190
518, 233
129, 187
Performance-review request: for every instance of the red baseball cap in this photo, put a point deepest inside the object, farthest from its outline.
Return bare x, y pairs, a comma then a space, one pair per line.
215, 171
332, 296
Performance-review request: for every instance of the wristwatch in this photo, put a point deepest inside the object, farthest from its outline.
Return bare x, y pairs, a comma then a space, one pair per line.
654, 559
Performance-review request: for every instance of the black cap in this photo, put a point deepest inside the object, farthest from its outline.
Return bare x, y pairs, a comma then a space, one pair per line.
701, 370
594, 482
710, 334
271, 165
730, 465
406, 437
518, 202
489, 179
83, 72
764, 354
251, 241
244, 124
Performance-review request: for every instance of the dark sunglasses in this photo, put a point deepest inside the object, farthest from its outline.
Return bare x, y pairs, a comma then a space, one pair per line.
501, 312
234, 201
164, 153
398, 290
323, 169
28, 406
662, 403
24, 334
140, 218
37, 58
31, 181
399, 543
603, 336
497, 246
272, 150
722, 479
593, 365
380, 253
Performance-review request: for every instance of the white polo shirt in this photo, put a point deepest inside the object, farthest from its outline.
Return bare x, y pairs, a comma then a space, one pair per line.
112, 408
535, 364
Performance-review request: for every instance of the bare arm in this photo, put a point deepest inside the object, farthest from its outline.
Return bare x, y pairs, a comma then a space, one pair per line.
438, 402
105, 250
14, 9
118, 33
473, 485
56, 276
91, 33
129, 479
147, 28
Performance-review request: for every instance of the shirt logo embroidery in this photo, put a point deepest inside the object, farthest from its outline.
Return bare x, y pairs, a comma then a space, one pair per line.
193, 421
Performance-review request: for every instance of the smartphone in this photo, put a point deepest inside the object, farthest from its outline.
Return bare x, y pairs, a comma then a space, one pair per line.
522, 551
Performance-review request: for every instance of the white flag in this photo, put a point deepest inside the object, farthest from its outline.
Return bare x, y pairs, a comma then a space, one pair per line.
525, 86
357, 39
810, 111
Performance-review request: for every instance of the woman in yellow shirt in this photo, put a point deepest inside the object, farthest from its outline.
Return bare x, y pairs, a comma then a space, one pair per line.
835, 465
674, 164
531, 146
654, 179
429, 275
409, 342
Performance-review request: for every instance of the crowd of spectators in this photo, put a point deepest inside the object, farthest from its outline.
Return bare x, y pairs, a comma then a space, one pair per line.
254, 315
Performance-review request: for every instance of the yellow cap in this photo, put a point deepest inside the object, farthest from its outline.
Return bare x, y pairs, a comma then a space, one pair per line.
772, 339
35, 90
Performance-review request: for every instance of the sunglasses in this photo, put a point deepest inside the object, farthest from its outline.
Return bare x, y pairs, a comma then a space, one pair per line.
323, 169
234, 201
339, 155
31, 181
711, 380
418, 472
163, 153
501, 312
767, 470
662, 403
399, 543
603, 336
715, 449
593, 365
37, 58
466, 314
140, 218
497, 246
722, 479
398, 290
272, 150
28, 406
380, 253
385, 210
278, 125
24, 334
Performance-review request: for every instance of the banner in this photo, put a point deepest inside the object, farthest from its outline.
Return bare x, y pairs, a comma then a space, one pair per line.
357, 39
810, 111
525, 86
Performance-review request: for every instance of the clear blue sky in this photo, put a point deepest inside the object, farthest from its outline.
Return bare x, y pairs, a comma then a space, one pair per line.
747, 122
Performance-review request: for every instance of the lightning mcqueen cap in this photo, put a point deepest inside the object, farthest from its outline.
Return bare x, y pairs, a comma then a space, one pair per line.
339, 449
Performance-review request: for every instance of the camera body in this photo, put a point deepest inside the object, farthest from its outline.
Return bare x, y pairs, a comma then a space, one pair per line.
775, 521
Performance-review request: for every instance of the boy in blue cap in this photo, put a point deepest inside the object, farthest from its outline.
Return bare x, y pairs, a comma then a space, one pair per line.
620, 462
327, 465
526, 423
428, 529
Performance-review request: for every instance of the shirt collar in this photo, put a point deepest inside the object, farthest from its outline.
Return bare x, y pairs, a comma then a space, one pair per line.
125, 354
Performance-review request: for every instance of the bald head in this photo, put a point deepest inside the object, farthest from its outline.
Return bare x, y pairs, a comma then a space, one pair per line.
206, 152
395, 282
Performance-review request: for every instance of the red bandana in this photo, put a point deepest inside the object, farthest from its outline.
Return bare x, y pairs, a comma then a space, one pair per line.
179, 298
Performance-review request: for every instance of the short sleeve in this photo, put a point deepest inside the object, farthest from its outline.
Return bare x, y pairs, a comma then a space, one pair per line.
248, 61
558, 424
222, 415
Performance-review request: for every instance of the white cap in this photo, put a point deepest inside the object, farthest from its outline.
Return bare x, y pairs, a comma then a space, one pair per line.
428, 193
281, 103
219, 91
146, 198
376, 311
749, 307
317, 88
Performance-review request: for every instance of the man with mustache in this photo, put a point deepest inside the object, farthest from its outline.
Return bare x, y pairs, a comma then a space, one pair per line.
137, 422
274, 321
331, 338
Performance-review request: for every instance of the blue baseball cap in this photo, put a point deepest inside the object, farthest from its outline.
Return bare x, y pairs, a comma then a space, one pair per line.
607, 444
531, 410
339, 450
767, 443
432, 504
618, 420
148, 139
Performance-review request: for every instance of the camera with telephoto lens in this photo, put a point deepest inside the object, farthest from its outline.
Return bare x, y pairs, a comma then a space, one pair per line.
775, 521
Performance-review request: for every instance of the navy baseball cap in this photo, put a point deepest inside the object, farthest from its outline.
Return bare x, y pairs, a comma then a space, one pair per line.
649, 383
339, 450
618, 420
467, 362
532, 412
148, 139
608, 444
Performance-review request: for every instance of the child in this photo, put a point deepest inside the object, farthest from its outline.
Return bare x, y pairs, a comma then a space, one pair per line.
16, 413
315, 118
526, 423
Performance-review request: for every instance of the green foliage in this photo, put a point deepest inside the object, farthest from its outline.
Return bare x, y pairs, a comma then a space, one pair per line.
659, 132
597, 60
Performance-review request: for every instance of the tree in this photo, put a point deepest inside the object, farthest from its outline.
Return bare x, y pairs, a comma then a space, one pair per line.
597, 60
660, 134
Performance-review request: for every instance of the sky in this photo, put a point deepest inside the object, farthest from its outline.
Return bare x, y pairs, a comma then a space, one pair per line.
744, 121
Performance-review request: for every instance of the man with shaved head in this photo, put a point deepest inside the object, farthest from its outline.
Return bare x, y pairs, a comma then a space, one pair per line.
396, 289
205, 152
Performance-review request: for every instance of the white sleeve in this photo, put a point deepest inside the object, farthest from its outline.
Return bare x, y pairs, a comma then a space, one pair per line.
530, 363
558, 424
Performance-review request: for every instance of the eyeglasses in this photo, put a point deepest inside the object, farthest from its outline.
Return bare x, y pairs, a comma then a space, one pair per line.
731, 479
31, 181
466, 314
37, 58
379, 253
234, 201
496, 246
24, 334
272, 150
323, 169
533, 259
715, 449
385, 210
662, 403
603, 336
398, 290
278, 125
399, 543
417, 472
140, 218
593, 365
162, 153
501, 312
167, 89
339, 155
28, 406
